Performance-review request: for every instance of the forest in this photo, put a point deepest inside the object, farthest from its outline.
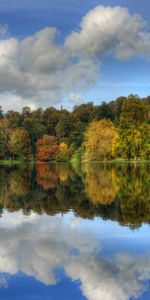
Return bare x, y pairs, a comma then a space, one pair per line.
118, 130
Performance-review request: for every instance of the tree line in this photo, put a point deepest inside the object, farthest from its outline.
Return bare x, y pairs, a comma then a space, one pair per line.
116, 130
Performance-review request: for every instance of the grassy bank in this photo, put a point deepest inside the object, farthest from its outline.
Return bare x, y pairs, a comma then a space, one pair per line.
9, 162
114, 161
76, 160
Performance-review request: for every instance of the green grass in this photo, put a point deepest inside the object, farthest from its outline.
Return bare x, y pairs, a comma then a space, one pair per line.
9, 162
13, 162
119, 160
75, 160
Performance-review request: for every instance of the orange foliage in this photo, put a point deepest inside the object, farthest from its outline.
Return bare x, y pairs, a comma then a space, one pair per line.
47, 176
47, 148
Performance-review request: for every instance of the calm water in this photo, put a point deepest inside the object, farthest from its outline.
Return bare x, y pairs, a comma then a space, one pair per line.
75, 233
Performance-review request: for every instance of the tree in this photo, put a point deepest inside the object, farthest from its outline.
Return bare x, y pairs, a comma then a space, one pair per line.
99, 138
38, 130
118, 108
127, 144
14, 118
26, 111
84, 112
64, 127
104, 112
20, 144
4, 138
50, 119
133, 112
145, 137
133, 139
1, 112
64, 153
47, 148
133, 143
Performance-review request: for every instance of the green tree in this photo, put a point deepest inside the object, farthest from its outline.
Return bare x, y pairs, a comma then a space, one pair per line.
14, 118
133, 113
64, 127
133, 139
104, 112
4, 138
1, 112
50, 119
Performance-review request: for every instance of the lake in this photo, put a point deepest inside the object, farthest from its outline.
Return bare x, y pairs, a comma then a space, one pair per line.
75, 232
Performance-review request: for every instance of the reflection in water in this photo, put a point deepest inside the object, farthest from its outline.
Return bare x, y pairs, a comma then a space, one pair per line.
39, 245
101, 184
116, 192
108, 261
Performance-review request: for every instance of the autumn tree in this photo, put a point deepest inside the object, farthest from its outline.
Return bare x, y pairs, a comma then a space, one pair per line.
99, 138
133, 140
47, 148
4, 138
20, 144
64, 153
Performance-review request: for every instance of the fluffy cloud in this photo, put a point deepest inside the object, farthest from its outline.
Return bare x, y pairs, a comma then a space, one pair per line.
37, 69
38, 245
40, 70
110, 30
113, 279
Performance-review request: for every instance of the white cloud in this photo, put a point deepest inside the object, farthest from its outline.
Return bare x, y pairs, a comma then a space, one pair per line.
118, 278
41, 71
110, 30
38, 245
36, 70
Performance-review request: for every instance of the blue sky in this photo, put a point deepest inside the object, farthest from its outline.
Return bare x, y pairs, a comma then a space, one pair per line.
114, 77
26, 17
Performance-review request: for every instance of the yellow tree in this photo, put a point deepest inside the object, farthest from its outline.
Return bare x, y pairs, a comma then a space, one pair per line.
99, 138
20, 144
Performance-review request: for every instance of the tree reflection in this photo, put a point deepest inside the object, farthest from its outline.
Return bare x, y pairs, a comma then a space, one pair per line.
116, 192
133, 197
101, 184
47, 176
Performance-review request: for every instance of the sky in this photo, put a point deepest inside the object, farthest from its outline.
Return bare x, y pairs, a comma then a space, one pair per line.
67, 52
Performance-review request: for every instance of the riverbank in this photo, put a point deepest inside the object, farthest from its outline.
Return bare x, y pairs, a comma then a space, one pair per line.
77, 161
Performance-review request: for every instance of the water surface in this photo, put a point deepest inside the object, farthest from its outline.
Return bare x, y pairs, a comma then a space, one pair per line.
75, 233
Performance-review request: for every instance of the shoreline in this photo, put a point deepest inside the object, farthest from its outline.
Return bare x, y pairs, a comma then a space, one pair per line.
115, 161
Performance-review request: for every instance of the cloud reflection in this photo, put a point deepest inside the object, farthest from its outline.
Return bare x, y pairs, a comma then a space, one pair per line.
40, 244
